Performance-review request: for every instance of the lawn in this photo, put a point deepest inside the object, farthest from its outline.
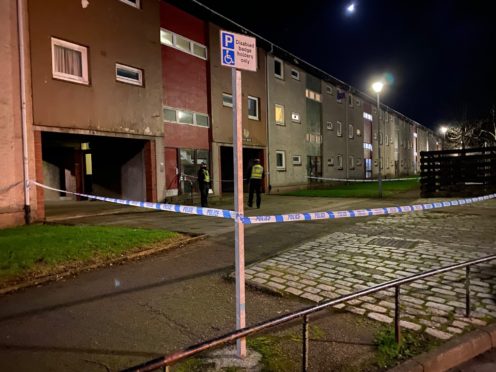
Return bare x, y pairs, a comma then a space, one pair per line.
43, 249
360, 189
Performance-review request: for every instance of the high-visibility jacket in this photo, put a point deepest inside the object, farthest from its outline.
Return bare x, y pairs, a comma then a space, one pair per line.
206, 176
256, 172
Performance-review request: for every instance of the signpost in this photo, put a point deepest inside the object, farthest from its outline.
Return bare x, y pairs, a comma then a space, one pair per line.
239, 52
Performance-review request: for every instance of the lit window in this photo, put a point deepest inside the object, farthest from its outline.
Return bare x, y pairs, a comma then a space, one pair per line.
184, 117
296, 159
339, 129
69, 61
280, 160
278, 68
128, 74
295, 117
227, 100
182, 43
279, 114
367, 116
133, 3
295, 74
166, 37
253, 108
350, 131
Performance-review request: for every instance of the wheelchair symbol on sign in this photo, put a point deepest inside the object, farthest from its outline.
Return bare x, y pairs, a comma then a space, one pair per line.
228, 57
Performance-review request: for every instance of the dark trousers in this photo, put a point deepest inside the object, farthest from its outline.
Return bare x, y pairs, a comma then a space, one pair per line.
204, 187
255, 186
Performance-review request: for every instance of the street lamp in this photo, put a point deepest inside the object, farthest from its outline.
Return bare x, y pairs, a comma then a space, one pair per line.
377, 88
443, 130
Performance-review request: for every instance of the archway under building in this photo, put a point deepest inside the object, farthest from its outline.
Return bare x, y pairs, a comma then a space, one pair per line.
98, 165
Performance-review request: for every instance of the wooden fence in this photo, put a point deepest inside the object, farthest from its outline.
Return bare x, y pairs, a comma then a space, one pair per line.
461, 172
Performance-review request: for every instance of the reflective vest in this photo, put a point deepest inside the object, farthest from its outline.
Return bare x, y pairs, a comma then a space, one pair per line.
206, 176
256, 172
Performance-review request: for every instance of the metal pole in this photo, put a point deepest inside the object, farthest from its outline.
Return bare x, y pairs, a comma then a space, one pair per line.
379, 174
467, 292
239, 230
397, 329
304, 362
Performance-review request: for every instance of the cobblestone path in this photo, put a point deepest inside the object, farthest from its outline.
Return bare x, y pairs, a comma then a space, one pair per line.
393, 247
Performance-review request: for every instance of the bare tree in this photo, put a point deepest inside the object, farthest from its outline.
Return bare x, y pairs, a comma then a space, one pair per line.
464, 134
488, 130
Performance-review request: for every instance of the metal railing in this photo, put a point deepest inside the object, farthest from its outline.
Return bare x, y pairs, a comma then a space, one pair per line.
166, 361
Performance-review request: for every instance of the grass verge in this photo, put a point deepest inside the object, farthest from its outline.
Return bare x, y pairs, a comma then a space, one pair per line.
390, 353
38, 250
359, 190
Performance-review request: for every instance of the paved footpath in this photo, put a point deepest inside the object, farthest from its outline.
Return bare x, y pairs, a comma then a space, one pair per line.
392, 247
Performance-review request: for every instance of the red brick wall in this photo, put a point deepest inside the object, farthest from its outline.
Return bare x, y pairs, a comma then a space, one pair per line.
150, 171
185, 78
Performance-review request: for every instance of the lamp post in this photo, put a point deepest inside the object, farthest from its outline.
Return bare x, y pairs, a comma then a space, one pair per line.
443, 130
377, 88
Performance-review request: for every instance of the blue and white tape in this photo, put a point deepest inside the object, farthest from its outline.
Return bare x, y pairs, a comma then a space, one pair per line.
278, 218
292, 217
363, 180
187, 209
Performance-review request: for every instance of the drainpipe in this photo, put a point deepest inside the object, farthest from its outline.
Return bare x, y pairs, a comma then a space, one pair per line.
25, 155
267, 174
347, 134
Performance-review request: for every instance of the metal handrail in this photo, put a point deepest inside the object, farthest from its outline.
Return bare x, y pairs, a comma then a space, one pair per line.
247, 331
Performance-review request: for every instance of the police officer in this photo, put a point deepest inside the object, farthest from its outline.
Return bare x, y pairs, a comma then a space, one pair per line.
204, 183
256, 175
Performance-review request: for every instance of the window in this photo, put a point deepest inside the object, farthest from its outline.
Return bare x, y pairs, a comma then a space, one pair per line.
367, 116
182, 43
227, 100
387, 140
295, 74
201, 120
330, 162
350, 100
381, 138
351, 161
358, 132
313, 95
328, 89
340, 161
357, 102
170, 115
253, 108
134, 3
296, 159
279, 114
329, 125
128, 74
339, 129
69, 61
186, 117
295, 117
278, 68
281, 160
350, 131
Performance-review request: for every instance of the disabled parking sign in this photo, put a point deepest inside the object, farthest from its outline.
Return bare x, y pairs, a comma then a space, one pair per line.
238, 51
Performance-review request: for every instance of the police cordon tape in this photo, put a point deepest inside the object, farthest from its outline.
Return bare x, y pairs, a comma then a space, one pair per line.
363, 180
291, 217
200, 211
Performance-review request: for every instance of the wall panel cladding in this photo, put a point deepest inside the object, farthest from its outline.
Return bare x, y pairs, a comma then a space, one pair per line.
113, 32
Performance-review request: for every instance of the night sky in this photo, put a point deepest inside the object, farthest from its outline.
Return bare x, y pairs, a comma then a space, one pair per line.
441, 54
